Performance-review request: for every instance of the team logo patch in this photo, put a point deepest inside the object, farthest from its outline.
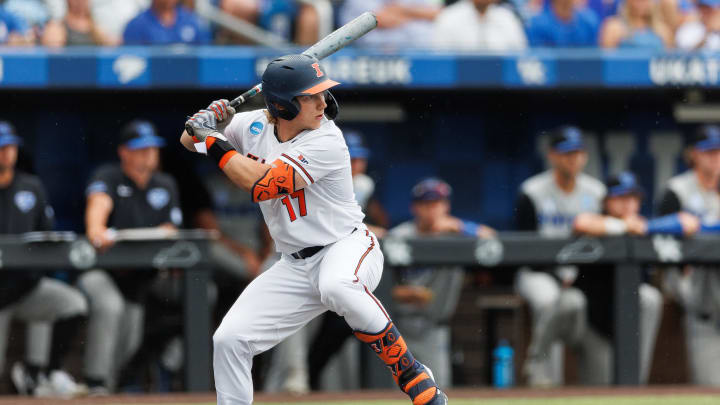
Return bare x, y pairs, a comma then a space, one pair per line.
302, 159
256, 128
124, 191
158, 198
25, 200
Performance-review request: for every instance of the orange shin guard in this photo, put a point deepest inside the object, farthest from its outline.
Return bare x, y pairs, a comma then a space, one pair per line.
390, 346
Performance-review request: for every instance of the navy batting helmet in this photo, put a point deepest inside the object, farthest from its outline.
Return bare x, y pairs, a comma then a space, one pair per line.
290, 76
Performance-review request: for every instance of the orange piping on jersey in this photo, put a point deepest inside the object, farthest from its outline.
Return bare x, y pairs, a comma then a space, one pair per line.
377, 302
372, 245
277, 182
300, 166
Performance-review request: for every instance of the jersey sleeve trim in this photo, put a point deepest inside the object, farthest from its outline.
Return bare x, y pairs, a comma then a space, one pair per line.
304, 173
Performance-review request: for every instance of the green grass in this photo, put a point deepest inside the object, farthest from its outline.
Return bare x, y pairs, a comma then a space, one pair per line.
597, 400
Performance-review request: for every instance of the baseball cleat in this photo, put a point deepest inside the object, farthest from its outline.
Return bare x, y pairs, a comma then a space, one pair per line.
419, 383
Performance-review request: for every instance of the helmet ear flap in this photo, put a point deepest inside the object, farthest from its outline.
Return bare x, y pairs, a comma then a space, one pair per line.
332, 109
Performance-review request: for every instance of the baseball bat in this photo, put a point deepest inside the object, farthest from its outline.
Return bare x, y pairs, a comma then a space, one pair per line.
332, 43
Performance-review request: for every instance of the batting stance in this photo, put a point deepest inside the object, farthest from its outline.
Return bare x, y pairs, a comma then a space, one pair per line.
293, 160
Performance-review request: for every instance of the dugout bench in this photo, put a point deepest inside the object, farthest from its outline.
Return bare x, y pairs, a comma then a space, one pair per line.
187, 250
627, 255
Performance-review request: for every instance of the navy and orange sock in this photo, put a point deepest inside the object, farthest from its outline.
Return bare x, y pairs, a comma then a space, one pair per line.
410, 376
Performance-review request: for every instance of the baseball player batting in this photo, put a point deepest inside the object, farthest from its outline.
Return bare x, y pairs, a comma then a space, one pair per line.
294, 161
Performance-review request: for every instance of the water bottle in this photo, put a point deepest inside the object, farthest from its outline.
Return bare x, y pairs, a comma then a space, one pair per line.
503, 369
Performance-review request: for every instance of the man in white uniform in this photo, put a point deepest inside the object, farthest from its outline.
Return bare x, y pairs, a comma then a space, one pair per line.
293, 160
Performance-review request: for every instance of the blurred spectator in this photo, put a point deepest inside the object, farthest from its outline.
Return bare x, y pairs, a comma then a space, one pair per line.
26, 295
14, 30
562, 24
44, 17
548, 203
77, 28
426, 297
132, 194
678, 12
166, 22
112, 15
698, 287
704, 33
638, 24
478, 25
401, 23
583, 317
247, 10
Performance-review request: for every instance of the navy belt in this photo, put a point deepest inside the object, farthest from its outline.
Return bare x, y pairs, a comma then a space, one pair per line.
309, 251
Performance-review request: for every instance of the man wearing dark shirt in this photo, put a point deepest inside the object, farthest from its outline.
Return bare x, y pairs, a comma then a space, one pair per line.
25, 294
132, 194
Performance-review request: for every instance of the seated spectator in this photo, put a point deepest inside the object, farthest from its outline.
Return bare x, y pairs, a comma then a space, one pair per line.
77, 28
401, 23
426, 296
113, 15
562, 24
477, 25
638, 24
42, 16
166, 22
703, 33
13, 29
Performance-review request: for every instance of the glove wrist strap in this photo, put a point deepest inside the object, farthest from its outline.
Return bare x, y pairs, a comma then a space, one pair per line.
219, 150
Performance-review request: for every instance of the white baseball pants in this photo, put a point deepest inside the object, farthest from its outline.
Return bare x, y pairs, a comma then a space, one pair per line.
340, 278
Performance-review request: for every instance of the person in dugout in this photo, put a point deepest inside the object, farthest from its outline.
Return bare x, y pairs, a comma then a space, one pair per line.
27, 295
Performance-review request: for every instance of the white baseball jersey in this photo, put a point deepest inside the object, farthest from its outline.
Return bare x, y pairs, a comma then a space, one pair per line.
325, 210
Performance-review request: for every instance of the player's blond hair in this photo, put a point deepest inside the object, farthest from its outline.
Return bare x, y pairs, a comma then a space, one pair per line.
270, 118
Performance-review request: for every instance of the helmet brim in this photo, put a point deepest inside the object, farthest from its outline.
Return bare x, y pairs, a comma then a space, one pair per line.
318, 88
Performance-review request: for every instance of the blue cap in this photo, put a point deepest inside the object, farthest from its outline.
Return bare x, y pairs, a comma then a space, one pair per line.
7, 135
140, 134
567, 139
709, 3
707, 137
356, 145
623, 184
431, 189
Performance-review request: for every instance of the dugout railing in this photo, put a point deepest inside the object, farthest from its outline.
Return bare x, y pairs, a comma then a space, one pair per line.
188, 250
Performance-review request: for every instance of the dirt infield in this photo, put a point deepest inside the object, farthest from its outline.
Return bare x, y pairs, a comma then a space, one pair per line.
371, 395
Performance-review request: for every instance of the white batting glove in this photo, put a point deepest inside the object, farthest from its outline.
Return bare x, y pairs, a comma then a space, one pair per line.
224, 113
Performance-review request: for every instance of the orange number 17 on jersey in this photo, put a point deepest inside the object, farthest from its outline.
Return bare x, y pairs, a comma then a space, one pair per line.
300, 195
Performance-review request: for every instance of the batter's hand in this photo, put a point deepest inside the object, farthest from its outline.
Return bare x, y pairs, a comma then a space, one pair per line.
201, 125
224, 113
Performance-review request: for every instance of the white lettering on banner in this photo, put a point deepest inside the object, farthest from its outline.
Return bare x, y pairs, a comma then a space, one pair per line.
360, 70
532, 71
668, 70
129, 67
